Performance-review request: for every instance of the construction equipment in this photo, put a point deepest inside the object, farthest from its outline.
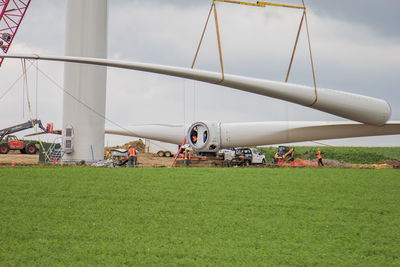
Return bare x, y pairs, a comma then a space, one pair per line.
11, 14
119, 157
284, 154
13, 143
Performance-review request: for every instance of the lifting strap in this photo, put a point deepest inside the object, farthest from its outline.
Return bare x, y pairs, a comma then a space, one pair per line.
295, 46
304, 18
219, 43
213, 7
202, 36
262, 4
312, 61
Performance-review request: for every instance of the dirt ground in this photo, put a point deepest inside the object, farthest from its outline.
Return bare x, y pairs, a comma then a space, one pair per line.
18, 159
393, 162
152, 160
144, 159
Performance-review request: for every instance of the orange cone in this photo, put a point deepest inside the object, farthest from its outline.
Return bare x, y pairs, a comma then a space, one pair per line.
54, 161
13, 163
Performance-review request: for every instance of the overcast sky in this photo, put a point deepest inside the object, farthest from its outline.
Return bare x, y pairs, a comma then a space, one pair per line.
355, 45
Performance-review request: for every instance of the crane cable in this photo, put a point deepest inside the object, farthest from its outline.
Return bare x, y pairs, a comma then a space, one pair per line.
82, 103
25, 86
25, 83
14, 83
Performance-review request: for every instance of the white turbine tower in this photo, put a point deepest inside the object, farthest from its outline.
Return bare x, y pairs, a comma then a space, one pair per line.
85, 85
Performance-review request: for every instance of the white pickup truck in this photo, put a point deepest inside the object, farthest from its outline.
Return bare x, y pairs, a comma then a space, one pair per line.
247, 156
257, 156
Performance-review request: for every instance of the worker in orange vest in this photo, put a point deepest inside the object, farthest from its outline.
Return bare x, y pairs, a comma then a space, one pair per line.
132, 157
320, 163
194, 139
188, 156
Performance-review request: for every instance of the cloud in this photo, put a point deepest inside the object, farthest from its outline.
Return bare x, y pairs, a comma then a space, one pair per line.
381, 17
351, 53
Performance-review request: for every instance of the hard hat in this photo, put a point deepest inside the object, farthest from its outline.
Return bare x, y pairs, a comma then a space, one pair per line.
318, 149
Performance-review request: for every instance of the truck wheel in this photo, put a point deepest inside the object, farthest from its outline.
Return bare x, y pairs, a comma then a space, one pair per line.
167, 154
160, 153
4, 149
30, 149
263, 162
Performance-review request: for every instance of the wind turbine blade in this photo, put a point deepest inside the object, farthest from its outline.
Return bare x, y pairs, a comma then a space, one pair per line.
278, 132
355, 107
265, 133
161, 132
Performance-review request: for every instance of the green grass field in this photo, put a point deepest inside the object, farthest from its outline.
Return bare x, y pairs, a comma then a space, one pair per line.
359, 155
75, 216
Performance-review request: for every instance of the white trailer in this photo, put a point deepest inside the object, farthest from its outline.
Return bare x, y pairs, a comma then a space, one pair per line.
162, 149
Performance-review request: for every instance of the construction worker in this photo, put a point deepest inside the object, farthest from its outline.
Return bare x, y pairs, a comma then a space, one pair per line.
194, 139
228, 158
320, 163
188, 156
132, 157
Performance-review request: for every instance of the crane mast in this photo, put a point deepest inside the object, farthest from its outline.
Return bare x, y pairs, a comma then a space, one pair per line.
11, 14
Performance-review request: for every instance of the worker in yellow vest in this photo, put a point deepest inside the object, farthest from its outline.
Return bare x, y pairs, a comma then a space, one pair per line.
320, 163
132, 157
188, 156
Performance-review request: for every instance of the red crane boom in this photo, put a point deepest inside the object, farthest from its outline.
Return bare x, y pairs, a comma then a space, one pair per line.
11, 14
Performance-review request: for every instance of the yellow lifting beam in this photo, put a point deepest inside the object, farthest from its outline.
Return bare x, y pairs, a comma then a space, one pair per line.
264, 4
238, 2
260, 4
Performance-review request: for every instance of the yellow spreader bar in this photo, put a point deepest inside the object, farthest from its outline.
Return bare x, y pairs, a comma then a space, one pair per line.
260, 4
264, 4
238, 2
